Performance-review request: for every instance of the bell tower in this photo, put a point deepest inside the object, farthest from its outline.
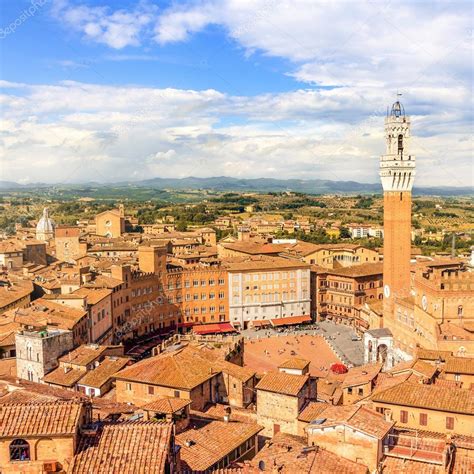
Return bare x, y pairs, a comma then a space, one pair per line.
397, 172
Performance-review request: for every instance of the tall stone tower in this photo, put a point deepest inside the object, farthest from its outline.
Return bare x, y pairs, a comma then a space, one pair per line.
397, 172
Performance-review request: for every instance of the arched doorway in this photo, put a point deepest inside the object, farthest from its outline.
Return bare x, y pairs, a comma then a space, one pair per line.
382, 351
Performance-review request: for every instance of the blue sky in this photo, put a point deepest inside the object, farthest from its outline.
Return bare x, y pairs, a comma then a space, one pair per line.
112, 90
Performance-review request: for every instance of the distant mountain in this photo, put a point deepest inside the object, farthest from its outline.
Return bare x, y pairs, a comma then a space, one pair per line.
310, 186
225, 183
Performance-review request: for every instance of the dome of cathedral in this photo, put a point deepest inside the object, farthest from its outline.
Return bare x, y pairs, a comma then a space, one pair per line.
45, 224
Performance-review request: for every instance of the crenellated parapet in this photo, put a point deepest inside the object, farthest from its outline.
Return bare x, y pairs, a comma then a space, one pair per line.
397, 166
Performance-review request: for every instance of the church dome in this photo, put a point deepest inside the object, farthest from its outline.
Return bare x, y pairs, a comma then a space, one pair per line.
45, 224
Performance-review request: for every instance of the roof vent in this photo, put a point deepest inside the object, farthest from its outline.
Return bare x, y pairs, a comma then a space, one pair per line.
189, 443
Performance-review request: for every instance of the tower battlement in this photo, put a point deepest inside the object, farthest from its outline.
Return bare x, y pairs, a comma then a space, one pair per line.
397, 166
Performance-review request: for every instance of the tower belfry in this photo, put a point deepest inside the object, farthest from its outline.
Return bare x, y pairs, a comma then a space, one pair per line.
397, 173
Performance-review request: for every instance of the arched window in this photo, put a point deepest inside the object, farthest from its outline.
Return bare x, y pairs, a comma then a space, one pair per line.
400, 143
19, 450
29, 351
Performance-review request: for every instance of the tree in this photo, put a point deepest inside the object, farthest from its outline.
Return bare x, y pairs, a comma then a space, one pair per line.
345, 233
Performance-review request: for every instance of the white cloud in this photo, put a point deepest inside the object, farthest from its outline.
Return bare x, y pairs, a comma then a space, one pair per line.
80, 132
343, 43
117, 29
353, 56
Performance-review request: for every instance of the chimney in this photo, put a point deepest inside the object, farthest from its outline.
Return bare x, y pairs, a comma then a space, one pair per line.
227, 412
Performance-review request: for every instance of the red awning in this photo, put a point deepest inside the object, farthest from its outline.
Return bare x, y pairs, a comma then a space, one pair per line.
290, 320
260, 323
186, 325
218, 328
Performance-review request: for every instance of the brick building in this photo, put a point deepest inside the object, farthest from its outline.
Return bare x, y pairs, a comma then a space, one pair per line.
427, 407
110, 223
68, 246
340, 294
280, 399
186, 373
40, 437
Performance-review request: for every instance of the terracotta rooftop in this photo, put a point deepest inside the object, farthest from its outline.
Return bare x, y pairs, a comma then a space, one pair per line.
355, 271
86, 354
103, 281
10, 246
179, 369
93, 295
463, 464
211, 441
460, 365
428, 354
354, 416
283, 383
42, 313
48, 418
17, 290
428, 396
25, 396
312, 411
253, 248
361, 375
294, 363
99, 376
386, 380
65, 377
139, 447
418, 367
289, 454
168, 405
261, 263
207, 359
409, 466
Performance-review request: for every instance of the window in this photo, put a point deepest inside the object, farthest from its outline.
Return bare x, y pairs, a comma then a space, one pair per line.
19, 450
449, 423
423, 419
361, 392
403, 416
221, 281
176, 394
151, 390
128, 386
349, 390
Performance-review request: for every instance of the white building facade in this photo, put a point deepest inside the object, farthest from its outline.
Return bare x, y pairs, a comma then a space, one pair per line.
268, 293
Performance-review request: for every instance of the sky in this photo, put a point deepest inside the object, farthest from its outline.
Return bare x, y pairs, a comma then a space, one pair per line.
114, 90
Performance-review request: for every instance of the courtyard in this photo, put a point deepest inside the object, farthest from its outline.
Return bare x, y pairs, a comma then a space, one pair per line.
265, 349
